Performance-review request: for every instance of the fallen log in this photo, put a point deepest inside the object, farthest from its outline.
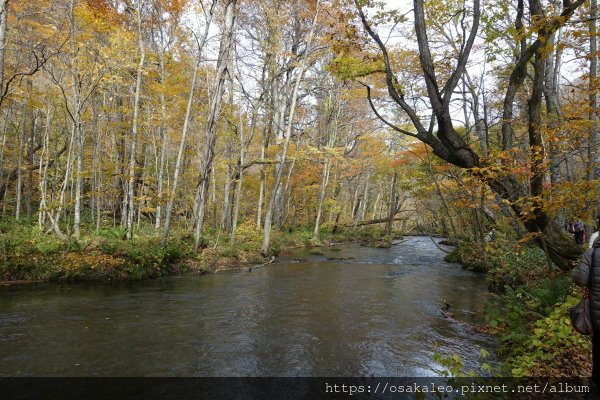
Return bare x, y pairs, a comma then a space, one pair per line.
270, 261
375, 221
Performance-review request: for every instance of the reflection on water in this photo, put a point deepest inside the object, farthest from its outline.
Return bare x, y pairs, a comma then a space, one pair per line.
375, 314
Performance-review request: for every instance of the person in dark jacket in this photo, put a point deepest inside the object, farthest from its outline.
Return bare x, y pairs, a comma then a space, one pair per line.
590, 258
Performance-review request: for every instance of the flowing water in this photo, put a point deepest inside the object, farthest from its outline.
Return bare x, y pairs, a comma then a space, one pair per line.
352, 311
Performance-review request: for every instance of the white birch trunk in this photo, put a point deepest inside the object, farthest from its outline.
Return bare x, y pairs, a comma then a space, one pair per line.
20, 172
134, 127
43, 171
164, 141
324, 181
175, 182
3, 26
239, 182
215, 110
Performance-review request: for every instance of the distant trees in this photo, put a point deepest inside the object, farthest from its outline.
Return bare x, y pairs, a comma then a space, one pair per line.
219, 117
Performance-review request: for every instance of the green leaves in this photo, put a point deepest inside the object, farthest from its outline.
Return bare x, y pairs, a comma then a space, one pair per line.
548, 347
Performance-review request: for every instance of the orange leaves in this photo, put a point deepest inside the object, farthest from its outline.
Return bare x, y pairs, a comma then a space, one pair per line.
399, 162
530, 206
414, 153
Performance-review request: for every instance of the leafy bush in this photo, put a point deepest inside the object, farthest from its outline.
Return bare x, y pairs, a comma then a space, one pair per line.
514, 264
113, 233
229, 251
110, 246
507, 262
553, 348
454, 366
516, 309
49, 245
248, 232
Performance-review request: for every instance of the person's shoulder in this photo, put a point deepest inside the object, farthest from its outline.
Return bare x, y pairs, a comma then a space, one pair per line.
587, 255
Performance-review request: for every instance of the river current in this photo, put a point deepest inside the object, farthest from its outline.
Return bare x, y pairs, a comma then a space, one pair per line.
351, 311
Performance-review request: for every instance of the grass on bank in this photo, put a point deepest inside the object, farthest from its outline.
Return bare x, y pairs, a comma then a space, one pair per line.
27, 254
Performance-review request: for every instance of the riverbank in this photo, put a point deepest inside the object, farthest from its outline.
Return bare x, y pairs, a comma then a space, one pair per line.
28, 255
528, 309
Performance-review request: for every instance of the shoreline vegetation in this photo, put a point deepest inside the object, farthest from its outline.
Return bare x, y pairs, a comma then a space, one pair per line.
30, 256
528, 309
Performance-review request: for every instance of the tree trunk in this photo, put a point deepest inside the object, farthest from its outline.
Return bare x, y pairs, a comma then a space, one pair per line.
261, 191
215, 110
449, 146
322, 189
164, 140
3, 28
43, 171
20, 172
593, 167
283, 205
134, 127
553, 111
224, 224
29, 197
364, 203
391, 206
79, 168
175, 182
239, 182
186, 127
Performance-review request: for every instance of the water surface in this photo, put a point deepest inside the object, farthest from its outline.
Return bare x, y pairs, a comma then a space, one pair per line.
367, 312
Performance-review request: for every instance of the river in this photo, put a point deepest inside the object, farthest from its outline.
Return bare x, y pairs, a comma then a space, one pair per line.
351, 311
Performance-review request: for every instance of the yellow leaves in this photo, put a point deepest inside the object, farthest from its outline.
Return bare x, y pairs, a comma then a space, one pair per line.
320, 152
74, 261
348, 67
488, 172
574, 199
530, 237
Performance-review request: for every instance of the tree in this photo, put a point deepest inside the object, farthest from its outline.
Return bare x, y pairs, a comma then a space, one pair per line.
186, 124
134, 126
447, 144
206, 164
286, 139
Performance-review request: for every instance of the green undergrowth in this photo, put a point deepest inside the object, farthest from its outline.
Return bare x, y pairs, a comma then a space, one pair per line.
28, 254
550, 347
528, 309
506, 262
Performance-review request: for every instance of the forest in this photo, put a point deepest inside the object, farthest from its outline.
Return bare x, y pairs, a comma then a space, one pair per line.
143, 138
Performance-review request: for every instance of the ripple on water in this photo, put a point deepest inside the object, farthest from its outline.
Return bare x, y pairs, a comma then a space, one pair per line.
367, 312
